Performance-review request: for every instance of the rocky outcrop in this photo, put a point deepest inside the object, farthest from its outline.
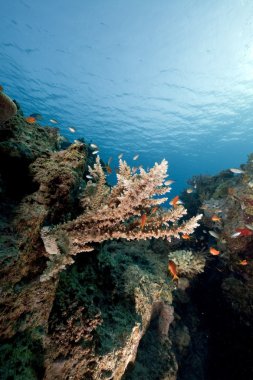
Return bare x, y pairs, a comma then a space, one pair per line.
87, 324
7, 108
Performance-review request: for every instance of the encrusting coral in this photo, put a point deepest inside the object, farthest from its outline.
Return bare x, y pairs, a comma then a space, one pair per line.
129, 210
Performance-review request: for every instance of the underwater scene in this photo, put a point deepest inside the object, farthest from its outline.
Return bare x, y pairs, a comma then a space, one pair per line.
126, 190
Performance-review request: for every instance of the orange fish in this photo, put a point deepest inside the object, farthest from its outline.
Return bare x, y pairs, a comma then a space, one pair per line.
108, 169
154, 210
30, 119
214, 251
174, 201
173, 270
186, 237
143, 220
1, 88
216, 218
243, 262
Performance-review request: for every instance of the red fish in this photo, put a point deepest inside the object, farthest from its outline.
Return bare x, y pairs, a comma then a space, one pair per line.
143, 220
173, 270
244, 231
186, 237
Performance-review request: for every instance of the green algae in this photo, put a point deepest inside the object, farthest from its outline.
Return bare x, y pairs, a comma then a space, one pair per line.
21, 358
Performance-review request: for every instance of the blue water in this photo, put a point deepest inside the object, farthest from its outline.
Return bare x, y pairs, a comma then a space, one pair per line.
161, 78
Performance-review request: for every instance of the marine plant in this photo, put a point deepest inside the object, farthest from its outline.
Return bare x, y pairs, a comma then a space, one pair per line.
129, 210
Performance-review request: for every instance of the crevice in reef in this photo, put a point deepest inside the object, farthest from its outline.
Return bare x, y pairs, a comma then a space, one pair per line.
230, 340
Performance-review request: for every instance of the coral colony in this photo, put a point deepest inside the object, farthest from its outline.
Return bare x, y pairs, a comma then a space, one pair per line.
117, 213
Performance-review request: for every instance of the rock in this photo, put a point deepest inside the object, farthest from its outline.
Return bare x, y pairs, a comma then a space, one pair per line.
7, 108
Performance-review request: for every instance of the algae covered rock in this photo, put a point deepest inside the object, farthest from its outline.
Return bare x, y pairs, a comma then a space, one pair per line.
7, 108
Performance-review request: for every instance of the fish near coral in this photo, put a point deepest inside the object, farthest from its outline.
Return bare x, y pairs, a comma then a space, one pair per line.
186, 237
215, 218
243, 262
174, 201
214, 251
237, 171
244, 231
143, 220
173, 270
30, 119
108, 169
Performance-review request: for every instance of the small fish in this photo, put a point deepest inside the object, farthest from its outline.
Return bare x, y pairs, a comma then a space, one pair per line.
186, 237
169, 182
37, 116
216, 218
154, 210
243, 262
94, 146
244, 231
136, 157
134, 169
71, 129
235, 235
109, 161
174, 201
53, 121
214, 234
237, 171
189, 191
95, 152
173, 270
30, 119
108, 169
214, 251
1, 88
120, 155
143, 220
249, 226
89, 176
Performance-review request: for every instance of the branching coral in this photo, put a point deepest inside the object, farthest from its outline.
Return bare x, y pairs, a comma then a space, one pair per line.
187, 262
117, 213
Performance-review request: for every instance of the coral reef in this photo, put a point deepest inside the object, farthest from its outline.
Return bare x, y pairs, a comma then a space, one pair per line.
115, 313
87, 322
7, 108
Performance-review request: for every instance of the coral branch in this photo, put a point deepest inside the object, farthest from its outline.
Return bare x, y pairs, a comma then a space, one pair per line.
118, 213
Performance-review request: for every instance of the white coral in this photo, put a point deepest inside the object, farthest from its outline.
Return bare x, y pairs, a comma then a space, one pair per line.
117, 213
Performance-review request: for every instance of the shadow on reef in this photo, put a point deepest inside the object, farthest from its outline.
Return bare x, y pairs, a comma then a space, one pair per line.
91, 286
153, 357
21, 358
230, 341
